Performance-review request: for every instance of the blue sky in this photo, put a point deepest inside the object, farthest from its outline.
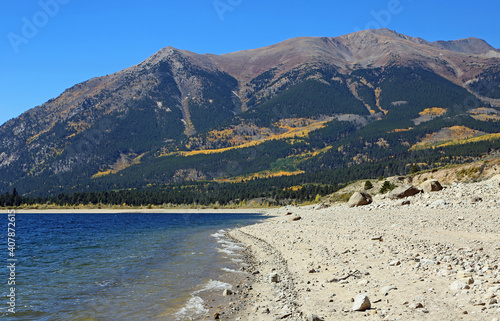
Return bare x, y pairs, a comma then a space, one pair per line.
47, 46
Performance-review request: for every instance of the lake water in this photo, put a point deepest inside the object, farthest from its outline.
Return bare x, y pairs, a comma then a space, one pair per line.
117, 266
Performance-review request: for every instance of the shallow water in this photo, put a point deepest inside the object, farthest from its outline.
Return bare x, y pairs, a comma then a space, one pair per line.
118, 266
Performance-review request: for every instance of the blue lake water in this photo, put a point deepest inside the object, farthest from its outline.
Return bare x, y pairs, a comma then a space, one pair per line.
116, 266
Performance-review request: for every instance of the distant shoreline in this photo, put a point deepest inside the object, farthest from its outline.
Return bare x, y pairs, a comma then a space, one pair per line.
140, 211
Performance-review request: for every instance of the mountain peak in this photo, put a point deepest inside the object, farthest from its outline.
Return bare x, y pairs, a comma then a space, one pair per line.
469, 45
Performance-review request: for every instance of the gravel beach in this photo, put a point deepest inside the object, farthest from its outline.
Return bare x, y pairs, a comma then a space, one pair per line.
436, 258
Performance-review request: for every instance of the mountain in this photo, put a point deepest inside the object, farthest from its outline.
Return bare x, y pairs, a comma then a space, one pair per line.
306, 105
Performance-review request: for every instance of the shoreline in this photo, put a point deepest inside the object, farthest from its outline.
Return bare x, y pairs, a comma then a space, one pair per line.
140, 211
437, 258
240, 283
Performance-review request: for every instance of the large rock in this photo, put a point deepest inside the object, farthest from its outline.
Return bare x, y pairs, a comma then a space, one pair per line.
404, 191
360, 199
361, 303
431, 186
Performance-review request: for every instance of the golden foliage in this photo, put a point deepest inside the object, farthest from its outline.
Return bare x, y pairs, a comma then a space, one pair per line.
118, 166
434, 111
263, 174
455, 135
292, 127
293, 188
484, 117
378, 91
102, 173
399, 130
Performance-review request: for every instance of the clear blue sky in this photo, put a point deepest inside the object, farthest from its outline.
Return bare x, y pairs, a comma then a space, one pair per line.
47, 46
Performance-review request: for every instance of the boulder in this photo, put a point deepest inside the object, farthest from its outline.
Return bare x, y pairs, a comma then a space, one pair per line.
360, 199
361, 303
431, 186
404, 191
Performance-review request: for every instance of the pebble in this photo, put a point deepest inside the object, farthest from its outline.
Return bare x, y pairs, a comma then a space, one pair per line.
386, 289
361, 303
314, 317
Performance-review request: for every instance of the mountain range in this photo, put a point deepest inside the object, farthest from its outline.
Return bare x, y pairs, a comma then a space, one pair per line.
374, 100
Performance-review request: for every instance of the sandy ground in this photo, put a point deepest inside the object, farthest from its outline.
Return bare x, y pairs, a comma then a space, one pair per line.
435, 259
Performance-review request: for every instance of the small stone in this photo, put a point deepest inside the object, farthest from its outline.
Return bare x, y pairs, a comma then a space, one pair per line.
427, 262
284, 315
395, 263
361, 303
469, 280
386, 289
314, 317
227, 292
438, 203
476, 199
294, 218
459, 285
418, 305
216, 316
273, 277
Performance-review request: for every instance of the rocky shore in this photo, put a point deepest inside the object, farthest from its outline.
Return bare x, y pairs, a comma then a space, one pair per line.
430, 256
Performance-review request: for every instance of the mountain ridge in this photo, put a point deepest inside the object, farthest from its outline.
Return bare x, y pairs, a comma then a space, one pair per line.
177, 100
